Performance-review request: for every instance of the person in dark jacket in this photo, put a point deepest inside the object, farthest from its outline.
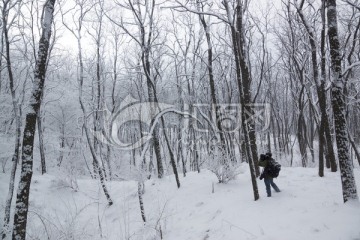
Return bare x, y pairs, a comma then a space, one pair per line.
268, 180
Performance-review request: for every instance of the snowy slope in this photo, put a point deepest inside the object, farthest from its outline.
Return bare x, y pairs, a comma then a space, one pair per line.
308, 207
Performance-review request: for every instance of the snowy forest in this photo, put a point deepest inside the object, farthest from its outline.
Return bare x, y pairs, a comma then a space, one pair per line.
149, 119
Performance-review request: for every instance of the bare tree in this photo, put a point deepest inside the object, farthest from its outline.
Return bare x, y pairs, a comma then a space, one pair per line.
22, 200
144, 19
6, 24
96, 31
320, 82
235, 19
338, 105
78, 21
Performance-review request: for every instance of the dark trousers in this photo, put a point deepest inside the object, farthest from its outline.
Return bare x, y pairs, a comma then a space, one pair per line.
269, 182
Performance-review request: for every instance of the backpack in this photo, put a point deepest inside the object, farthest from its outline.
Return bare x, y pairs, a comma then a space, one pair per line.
273, 168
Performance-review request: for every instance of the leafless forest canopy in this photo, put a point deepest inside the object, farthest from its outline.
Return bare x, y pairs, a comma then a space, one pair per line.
138, 89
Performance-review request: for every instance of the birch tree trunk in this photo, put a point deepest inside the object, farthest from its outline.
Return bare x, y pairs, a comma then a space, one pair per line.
22, 200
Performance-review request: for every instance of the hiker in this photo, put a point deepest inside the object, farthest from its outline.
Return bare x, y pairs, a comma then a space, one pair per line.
269, 172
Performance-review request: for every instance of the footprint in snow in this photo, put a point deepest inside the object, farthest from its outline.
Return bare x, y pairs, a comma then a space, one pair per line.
217, 213
206, 237
199, 204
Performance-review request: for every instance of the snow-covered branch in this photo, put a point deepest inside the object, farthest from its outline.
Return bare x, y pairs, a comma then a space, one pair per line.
183, 8
350, 67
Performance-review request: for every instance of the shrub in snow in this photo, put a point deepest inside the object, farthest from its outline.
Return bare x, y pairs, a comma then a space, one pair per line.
66, 179
222, 164
68, 222
3, 161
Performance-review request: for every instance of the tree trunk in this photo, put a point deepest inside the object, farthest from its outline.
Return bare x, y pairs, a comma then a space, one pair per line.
17, 114
172, 157
311, 134
321, 148
62, 145
214, 100
268, 146
320, 83
242, 76
338, 104
96, 163
22, 200
15, 160
41, 144
1, 59
141, 201
329, 145
153, 100
353, 145
108, 161
245, 85
301, 132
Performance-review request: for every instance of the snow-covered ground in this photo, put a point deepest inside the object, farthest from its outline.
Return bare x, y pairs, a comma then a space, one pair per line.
309, 207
